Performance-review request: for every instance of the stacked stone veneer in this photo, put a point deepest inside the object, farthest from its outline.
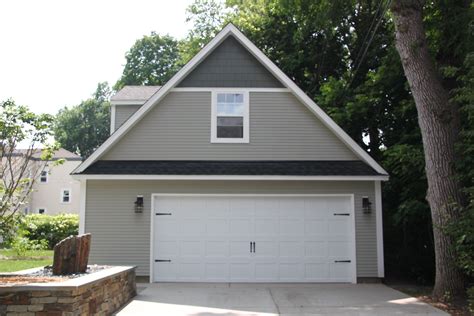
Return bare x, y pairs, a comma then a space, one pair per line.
100, 293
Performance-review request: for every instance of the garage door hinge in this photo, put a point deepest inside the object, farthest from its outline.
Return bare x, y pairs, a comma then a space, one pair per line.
342, 261
342, 214
158, 260
162, 213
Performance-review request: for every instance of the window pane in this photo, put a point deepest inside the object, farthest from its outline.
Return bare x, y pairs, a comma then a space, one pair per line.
230, 131
239, 98
221, 97
230, 127
230, 98
230, 121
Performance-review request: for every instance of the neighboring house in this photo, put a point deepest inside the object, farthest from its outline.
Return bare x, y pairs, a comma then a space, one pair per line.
55, 191
230, 173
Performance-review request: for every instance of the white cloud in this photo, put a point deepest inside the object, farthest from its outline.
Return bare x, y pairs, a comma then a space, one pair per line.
54, 52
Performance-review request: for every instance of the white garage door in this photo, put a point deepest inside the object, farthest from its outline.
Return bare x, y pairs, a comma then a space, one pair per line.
204, 238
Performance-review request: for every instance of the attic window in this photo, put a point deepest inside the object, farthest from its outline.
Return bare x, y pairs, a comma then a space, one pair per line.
230, 117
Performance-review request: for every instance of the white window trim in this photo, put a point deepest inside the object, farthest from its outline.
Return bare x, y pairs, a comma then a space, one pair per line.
47, 177
246, 138
62, 196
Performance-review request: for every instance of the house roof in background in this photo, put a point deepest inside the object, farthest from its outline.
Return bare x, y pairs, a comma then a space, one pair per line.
61, 153
134, 93
228, 167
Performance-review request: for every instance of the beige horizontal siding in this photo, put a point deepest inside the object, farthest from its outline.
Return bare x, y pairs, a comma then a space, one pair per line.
179, 127
122, 237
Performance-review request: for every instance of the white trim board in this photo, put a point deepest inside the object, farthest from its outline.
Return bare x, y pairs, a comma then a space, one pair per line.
82, 206
225, 178
112, 118
349, 195
230, 29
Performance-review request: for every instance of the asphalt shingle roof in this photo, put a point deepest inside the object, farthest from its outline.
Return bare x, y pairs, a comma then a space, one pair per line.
135, 93
226, 167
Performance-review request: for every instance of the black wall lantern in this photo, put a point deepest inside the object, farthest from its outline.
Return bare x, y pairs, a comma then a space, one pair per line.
139, 204
366, 205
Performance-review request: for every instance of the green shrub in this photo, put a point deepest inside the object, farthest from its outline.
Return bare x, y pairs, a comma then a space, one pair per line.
21, 245
52, 228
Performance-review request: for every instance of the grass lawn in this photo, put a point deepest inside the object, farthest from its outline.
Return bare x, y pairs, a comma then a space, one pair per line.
10, 262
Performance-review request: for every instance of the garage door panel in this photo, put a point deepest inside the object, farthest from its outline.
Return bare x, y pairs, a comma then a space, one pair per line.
190, 248
239, 249
217, 272
241, 227
316, 227
266, 207
317, 271
241, 271
266, 272
217, 249
266, 227
297, 239
217, 227
266, 248
291, 227
242, 208
316, 249
291, 249
291, 272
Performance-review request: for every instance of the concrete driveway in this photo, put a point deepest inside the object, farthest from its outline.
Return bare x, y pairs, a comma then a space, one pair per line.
200, 299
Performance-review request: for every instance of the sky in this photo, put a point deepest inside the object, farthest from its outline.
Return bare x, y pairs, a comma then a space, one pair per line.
54, 52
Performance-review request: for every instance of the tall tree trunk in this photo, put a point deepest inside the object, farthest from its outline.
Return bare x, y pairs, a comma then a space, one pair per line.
438, 120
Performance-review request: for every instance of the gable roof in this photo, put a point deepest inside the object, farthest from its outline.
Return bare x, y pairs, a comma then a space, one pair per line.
230, 29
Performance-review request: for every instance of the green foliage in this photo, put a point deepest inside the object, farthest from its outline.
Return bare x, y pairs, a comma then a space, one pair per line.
51, 228
21, 245
152, 60
207, 18
83, 128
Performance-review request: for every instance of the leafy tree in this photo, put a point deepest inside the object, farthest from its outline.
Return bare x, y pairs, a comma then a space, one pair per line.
207, 18
152, 60
84, 127
19, 127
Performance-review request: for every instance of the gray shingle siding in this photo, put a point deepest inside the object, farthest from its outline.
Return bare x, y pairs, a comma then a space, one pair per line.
230, 65
122, 237
179, 128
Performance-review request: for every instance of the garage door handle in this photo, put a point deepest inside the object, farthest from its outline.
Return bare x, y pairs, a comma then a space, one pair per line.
342, 261
162, 213
342, 214
157, 260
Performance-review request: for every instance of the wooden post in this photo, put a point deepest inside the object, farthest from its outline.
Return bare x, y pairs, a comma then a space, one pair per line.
71, 255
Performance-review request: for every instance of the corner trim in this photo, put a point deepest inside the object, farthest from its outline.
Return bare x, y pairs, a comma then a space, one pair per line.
379, 229
112, 118
82, 206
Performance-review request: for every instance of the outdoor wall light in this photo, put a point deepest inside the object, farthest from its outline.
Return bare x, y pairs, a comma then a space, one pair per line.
366, 205
139, 204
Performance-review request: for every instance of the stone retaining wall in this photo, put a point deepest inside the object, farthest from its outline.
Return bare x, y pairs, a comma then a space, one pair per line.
100, 293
